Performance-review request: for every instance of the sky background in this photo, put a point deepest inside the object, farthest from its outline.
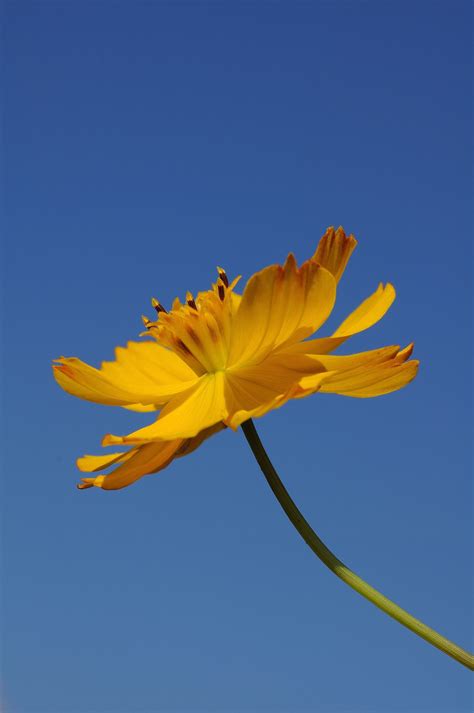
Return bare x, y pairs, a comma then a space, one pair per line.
146, 143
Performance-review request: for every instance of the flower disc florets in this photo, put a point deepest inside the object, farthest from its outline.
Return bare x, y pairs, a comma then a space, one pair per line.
199, 329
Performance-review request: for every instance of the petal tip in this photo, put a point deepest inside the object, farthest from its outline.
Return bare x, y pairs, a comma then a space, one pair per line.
90, 482
84, 484
110, 440
406, 353
334, 250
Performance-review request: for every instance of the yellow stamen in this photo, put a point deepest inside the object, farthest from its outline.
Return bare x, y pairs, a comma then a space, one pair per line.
157, 305
223, 276
190, 301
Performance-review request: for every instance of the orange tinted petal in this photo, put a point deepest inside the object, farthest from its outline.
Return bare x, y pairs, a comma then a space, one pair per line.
147, 459
334, 251
137, 462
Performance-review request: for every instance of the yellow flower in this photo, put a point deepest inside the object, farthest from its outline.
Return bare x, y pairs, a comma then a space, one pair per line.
221, 358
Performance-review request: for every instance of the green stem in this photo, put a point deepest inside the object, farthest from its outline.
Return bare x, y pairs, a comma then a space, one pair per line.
338, 567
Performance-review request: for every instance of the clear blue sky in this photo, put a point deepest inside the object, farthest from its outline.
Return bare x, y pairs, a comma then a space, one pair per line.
147, 142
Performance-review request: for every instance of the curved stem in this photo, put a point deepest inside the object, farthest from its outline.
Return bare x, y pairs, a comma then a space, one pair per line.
338, 567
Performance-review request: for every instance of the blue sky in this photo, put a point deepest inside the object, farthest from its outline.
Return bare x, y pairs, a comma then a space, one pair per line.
146, 143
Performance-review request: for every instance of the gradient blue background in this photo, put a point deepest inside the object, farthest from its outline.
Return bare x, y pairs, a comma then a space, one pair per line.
147, 142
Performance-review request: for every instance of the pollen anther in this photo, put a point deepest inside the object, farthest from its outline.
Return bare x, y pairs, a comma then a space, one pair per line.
223, 276
158, 306
190, 301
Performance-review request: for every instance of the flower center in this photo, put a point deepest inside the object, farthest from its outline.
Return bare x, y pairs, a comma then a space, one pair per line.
198, 330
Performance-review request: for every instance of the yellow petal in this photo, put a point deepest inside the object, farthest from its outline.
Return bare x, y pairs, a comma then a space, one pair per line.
185, 415
92, 464
320, 345
373, 382
405, 353
142, 408
252, 391
280, 305
235, 419
367, 313
89, 482
144, 374
190, 444
146, 364
147, 459
332, 362
370, 374
142, 460
334, 251
241, 415
85, 382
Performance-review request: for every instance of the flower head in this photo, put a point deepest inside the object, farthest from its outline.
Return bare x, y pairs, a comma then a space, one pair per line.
220, 358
